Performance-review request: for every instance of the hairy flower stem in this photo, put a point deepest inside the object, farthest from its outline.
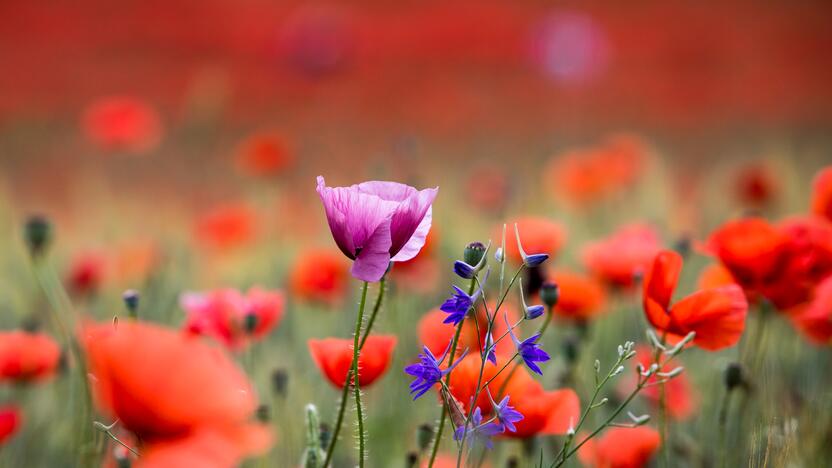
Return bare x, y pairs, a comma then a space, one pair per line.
440, 427
62, 307
356, 352
346, 389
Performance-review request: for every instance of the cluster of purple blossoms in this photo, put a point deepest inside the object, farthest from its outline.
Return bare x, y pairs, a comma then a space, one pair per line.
427, 371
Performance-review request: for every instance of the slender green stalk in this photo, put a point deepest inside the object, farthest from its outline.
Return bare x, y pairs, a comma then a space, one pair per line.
346, 389
356, 352
541, 331
444, 412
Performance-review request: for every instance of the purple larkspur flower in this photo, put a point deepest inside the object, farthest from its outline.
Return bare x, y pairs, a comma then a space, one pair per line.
458, 305
530, 260
376, 222
506, 415
529, 312
491, 353
528, 349
477, 431
427, 371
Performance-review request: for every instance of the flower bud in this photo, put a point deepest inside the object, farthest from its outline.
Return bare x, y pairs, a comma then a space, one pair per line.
280, 382
473, 253
424, 436
550, 294
263, 413
37, 234
313, 456
683, 245
412, 460
250, 322
131, 300
571, 350
735, 376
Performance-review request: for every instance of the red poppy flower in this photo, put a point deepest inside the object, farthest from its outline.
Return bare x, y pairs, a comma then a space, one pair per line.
27, 357
333, 356
185, 401
227, 226
319, 275
538, 235
624, 256
581, 297
10, 421
714, 276
621, 447
264, 154
86, 273
752, 249
420, 273
679, 397
814, 320
544, 412
755, 185
716, 315
231, 318
122, 123
822, 193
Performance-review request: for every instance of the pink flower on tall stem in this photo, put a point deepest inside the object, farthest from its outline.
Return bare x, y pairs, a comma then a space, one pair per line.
376, 222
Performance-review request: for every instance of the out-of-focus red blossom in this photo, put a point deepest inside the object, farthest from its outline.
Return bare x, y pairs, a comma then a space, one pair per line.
27, 357
625, 255
588, 175
621, 447
419, 274
716, 315
544, 412
231, 318
755, 185
319, 275
814, 320
227, 226
822, 193
679, 397
122, 123
333, 356
446, 461
135, 259
186, 401
538, 235
581, 297
10, 420
87, 272
264, 155
317, 40
781, 263
487, 188
714, 276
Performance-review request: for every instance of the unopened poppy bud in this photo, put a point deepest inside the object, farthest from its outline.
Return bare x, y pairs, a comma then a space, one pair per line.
131, 300
512, 462
424, 436
571, 347
37, 234
473, 253
550, 294
263, 413
250, 322
313, 456
412, 460
734, 376
325, 434
683, 245
280, 382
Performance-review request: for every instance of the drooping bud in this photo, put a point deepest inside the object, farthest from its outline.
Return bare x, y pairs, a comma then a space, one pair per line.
313, 455
280, 382
37, 233
424, 437
131, 301
550, 294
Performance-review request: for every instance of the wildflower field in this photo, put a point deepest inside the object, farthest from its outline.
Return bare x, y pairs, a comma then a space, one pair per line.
478, 234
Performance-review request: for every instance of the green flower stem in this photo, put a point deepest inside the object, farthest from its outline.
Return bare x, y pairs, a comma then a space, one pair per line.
346, 389
356, 352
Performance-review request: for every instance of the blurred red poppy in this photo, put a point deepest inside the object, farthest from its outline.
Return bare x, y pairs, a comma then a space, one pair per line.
263, 155
822, 193
27, 357
624, 256
10, 421
814, 320
186, 401
538, 236
227, 226
581, 297
231, 318
87, 272
621, 447
333, 356
714, 276
420, 273
544, 412
122, 123
319, 275
755, 185
716, 315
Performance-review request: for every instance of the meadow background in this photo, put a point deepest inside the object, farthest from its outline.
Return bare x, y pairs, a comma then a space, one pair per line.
727, 105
